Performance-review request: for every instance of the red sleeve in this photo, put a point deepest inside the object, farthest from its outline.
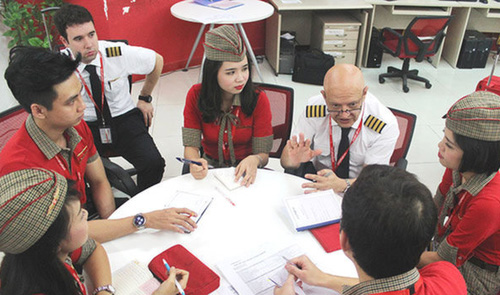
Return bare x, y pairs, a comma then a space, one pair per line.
192, 114
262, 125
446, 182
86, 135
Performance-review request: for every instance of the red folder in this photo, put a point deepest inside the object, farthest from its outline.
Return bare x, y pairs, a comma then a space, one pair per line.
202, 280
328, 236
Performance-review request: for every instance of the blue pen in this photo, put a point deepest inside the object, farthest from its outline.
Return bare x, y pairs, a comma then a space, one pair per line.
177, 284
187, 161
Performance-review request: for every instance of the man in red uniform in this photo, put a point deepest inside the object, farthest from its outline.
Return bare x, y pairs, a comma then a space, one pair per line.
55, 137
388, 219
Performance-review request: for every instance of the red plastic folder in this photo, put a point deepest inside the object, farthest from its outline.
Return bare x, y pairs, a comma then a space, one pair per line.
202, 280
328, 236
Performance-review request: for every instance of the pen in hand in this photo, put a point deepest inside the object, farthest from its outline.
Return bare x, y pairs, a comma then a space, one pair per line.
187, 161
288, 261
177, 284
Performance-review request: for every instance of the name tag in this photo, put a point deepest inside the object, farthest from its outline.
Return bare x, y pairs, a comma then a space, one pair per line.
105, 132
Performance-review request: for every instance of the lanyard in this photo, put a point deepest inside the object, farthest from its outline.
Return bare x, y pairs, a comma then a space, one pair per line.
72, 270
442, 229
89, 92
335, 164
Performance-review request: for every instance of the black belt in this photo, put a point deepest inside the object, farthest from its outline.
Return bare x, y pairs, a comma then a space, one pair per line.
486, 266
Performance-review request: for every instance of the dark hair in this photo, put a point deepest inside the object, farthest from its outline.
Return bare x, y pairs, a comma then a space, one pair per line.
70, 15
38, 269
389, 218
33, 72
211, 94
479, 156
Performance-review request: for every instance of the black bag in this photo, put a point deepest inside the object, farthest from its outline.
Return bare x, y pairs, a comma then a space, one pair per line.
311, 66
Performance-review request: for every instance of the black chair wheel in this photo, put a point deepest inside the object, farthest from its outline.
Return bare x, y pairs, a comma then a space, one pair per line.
406, 89
381, 80
428, 85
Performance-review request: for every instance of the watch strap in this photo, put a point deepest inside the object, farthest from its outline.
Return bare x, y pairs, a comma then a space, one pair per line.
146, 98
107, 288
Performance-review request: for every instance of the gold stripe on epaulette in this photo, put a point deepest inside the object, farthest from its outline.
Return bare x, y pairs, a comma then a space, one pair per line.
375, 124
315, 111
113, 51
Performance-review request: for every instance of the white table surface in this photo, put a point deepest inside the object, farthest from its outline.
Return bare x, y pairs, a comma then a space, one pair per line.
259, 217
250, 11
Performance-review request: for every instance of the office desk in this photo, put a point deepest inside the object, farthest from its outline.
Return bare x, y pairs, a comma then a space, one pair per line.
224, 230
297, 17
252, 10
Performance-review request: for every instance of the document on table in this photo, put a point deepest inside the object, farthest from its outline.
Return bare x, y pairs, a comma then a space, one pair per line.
249, 273
253, 273
290, 1
313, 210
226, 177
194, 202
134, 279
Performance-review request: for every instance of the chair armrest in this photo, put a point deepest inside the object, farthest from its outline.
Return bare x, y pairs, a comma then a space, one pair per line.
401, 164
119, 178
392, 33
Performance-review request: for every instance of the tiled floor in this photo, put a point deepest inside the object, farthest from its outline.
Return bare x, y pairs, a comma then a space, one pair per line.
428, 104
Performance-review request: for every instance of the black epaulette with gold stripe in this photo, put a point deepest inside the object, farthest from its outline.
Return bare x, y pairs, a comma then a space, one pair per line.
113, 51
375, 124
315, 111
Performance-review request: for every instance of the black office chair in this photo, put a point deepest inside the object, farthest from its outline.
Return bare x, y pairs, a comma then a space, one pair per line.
421, 39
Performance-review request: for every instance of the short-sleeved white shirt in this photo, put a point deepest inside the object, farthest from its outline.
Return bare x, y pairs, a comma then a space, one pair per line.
131, 60
370, 147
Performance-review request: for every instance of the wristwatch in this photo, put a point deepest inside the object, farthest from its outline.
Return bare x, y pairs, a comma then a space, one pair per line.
146, 98
348, 185
139, 221
108, 288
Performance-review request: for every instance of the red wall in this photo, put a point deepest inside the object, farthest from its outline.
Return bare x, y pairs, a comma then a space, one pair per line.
149, 23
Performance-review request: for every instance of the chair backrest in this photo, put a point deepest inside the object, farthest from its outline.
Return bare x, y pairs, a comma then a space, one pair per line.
424, 35
281, 100
406, 123
10, 121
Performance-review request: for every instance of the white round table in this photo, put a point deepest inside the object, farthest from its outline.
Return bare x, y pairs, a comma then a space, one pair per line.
250, 11
258, 217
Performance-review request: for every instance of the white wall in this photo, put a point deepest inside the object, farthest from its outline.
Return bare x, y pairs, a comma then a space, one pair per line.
6, 99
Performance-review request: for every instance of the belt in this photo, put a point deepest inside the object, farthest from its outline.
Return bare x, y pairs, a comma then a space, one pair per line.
486, 266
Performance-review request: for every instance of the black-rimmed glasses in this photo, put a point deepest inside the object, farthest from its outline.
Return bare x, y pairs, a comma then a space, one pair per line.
339, 112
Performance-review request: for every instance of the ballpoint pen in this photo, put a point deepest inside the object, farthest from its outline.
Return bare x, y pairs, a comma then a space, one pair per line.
177, 284
187, 161
288, 261
225, 197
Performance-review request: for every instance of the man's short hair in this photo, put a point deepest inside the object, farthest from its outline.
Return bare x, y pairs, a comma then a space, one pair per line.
33, 72
70, 15
389, 218
479, 156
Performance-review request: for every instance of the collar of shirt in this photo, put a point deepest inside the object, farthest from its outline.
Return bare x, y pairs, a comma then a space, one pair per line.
48, 147
395, 283
473, 185
96, 62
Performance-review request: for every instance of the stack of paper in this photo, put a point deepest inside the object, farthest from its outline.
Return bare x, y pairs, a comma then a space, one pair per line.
226, 177
313, 210
134, 279
220, 4
194, 202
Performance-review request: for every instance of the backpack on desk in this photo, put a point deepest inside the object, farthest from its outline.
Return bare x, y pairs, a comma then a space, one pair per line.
311, 66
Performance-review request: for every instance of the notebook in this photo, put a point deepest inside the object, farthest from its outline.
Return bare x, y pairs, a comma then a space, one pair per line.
313, 210
134, 279
226, 177
220, 4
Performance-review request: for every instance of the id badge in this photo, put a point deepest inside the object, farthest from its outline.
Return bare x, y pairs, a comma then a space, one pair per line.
105, 132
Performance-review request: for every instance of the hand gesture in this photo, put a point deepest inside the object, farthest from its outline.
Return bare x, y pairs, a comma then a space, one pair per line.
300, 152
247, 169
324, 180
199, 172
147, 111
168, 219
168, 286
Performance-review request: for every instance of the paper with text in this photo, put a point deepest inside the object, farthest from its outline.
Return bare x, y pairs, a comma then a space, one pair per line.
313, 210
134, 279
249, 273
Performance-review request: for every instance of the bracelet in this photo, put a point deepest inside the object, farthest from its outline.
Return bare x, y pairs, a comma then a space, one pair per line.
260, 161
348, 186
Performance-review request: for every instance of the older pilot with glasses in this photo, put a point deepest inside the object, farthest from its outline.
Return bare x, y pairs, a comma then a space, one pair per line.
341, 131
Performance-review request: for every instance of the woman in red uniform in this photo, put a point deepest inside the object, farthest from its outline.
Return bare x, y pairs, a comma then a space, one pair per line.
225, 114
468, 198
